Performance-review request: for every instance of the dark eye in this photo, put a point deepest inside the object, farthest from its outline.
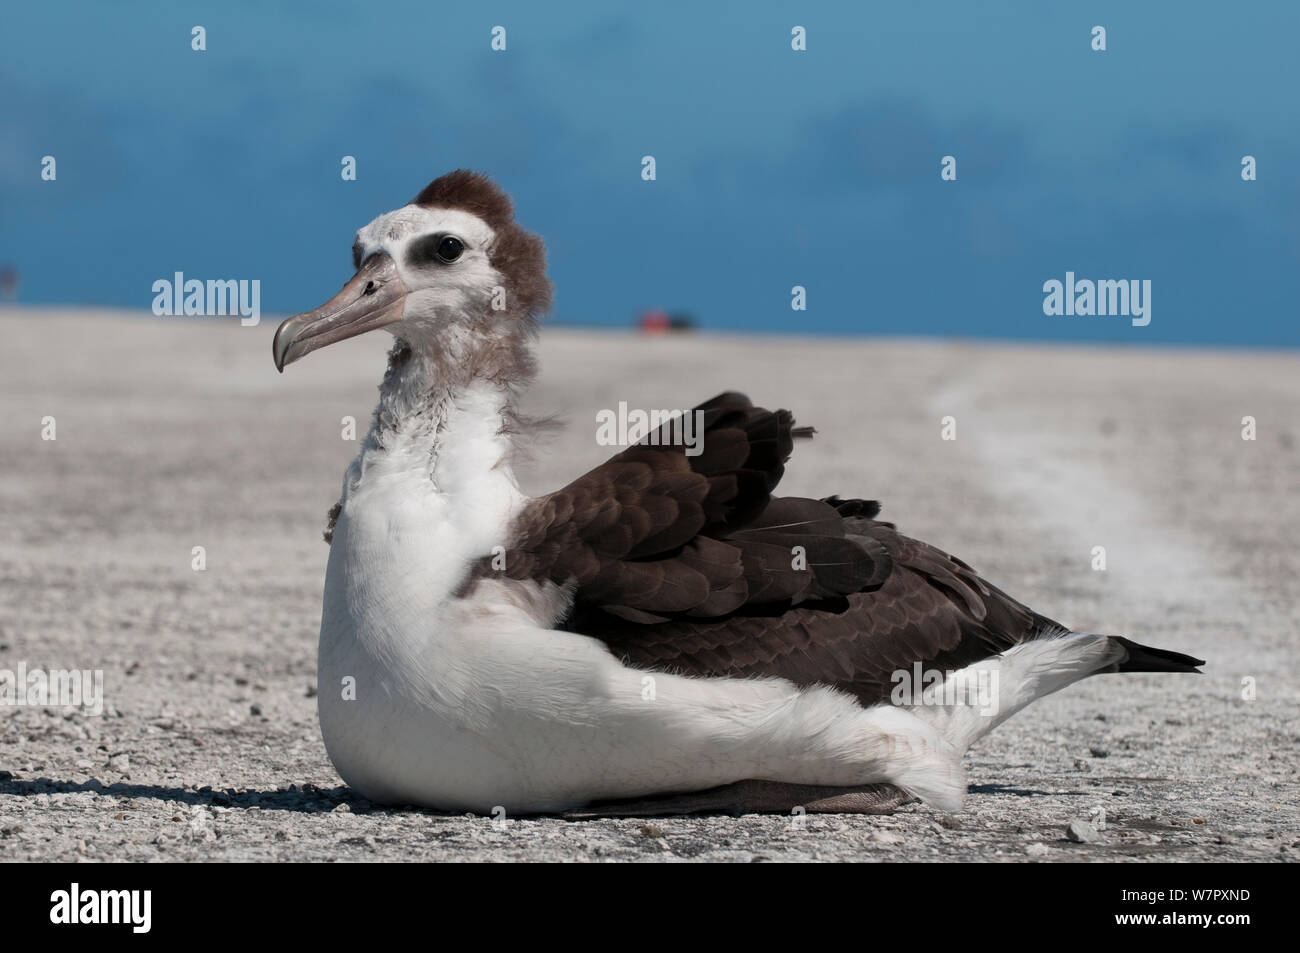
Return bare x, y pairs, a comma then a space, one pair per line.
450, 248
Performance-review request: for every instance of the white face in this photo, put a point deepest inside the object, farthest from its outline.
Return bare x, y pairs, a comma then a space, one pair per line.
442, 259
421, 273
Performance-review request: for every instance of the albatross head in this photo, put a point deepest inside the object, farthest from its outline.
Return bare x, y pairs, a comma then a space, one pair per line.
452, 266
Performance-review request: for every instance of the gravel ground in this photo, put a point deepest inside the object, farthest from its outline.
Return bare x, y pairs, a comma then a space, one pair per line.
172, 435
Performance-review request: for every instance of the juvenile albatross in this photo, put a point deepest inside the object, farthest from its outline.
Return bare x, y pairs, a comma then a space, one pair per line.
663, 632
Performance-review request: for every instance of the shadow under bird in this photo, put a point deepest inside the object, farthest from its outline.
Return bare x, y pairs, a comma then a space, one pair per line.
662, 635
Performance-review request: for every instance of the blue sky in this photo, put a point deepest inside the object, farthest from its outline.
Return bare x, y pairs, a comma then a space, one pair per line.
774, 167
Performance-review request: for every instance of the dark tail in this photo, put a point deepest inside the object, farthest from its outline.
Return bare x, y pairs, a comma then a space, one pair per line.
1143, 658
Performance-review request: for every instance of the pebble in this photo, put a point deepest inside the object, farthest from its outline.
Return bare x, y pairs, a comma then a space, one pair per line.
1036, 849
200, 827
1081, 832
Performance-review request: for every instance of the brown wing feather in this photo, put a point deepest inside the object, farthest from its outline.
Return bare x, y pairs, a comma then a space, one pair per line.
689, 564
654, 532
931, 609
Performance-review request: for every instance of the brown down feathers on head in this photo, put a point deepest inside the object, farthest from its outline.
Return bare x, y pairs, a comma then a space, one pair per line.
518, 254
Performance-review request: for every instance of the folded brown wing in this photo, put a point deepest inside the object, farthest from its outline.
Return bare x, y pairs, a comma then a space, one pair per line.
932, 609
689, 564
655, 531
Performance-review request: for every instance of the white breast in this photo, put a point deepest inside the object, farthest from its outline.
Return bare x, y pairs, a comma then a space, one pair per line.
392, 676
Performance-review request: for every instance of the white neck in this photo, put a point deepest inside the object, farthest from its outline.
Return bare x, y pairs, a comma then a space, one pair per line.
446, 441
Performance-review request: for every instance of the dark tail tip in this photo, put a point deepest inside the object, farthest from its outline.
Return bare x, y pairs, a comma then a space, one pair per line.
1143, 658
